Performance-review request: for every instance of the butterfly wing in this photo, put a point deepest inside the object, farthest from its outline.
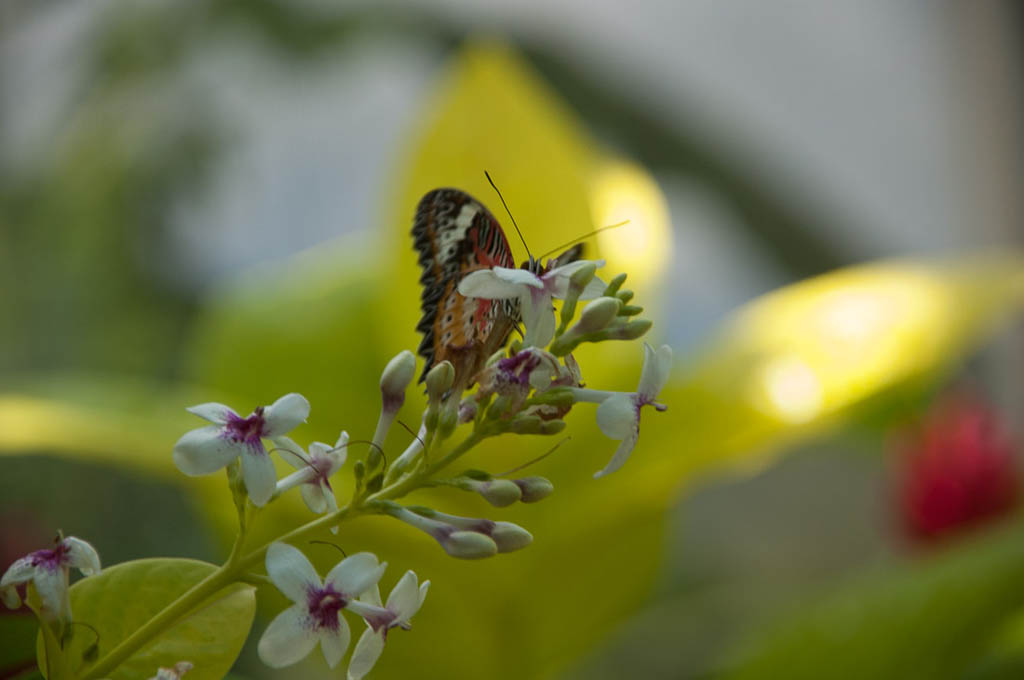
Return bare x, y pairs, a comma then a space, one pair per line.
454, 235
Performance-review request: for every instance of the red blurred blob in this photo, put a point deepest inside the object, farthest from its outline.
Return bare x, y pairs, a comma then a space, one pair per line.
958, 472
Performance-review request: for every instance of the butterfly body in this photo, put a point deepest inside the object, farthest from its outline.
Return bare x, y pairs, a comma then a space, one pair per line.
454, 235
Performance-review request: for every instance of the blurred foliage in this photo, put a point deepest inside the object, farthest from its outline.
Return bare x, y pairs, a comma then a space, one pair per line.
325, 322
950, 615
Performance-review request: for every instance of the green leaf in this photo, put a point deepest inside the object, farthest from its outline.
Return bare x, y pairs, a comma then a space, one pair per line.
933, 619
119, 600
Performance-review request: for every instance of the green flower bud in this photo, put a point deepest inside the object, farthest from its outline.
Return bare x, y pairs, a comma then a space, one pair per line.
630, 310
534, 488
439, 380
469, 545
615, 284
624, 295
596, 316
508, 536
525, 425
498, 492
552, 426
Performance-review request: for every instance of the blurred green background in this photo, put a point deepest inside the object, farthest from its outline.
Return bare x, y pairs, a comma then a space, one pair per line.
211, 201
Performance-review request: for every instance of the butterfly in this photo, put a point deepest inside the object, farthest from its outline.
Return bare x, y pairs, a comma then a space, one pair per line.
454, 235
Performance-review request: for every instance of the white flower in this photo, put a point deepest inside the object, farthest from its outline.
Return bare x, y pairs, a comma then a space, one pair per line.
534, 293
316, 614
405, 600
314, 471
174, 673
210, 448
48, 571
618, 415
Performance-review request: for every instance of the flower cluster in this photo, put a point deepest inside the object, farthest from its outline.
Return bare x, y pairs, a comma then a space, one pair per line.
527, 388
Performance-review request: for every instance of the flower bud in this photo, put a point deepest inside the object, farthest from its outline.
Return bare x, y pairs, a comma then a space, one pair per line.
624, 295
439, 380
396, 377
509, 536
467, 410
552, 426
497, 492
448, 419
469, 545
631, 310
525, 424
615, 284
580, 278
596, 315
534, 489
629, 331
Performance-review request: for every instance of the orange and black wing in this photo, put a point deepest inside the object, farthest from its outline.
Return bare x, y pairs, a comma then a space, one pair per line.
454, 235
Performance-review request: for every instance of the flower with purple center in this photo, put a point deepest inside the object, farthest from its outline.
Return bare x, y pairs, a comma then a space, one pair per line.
48, 571
513, 377
314, 470
534, 292
405, 600
316, 614
208, 449
618, 414
174, 673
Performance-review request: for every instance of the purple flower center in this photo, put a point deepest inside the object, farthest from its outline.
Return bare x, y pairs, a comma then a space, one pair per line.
51, 558
516, 370
324, 605
246, 430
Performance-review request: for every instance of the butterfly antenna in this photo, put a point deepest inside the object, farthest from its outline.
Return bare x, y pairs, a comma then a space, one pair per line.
585, 236
495, 186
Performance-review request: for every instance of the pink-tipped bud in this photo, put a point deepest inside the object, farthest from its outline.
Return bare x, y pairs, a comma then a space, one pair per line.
396, 377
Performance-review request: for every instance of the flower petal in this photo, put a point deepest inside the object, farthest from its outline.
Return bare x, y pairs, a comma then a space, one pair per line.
291, 452
51, 584
424, 587
372, 596
539, 318
20, 571
366, 653
617, 416
82, 556
212, 411
404, 599
202, 451
291, 571
259, 475
557, 280
289, 638
285, 414
334, 643
656, 371
489, 284
356, 573
621, 454
313, 496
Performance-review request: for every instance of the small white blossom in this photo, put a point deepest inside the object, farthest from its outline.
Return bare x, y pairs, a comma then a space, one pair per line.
618, 414
534, 292
174, 673
208, 449
316, 614
405, 600
314, 470
48, 570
